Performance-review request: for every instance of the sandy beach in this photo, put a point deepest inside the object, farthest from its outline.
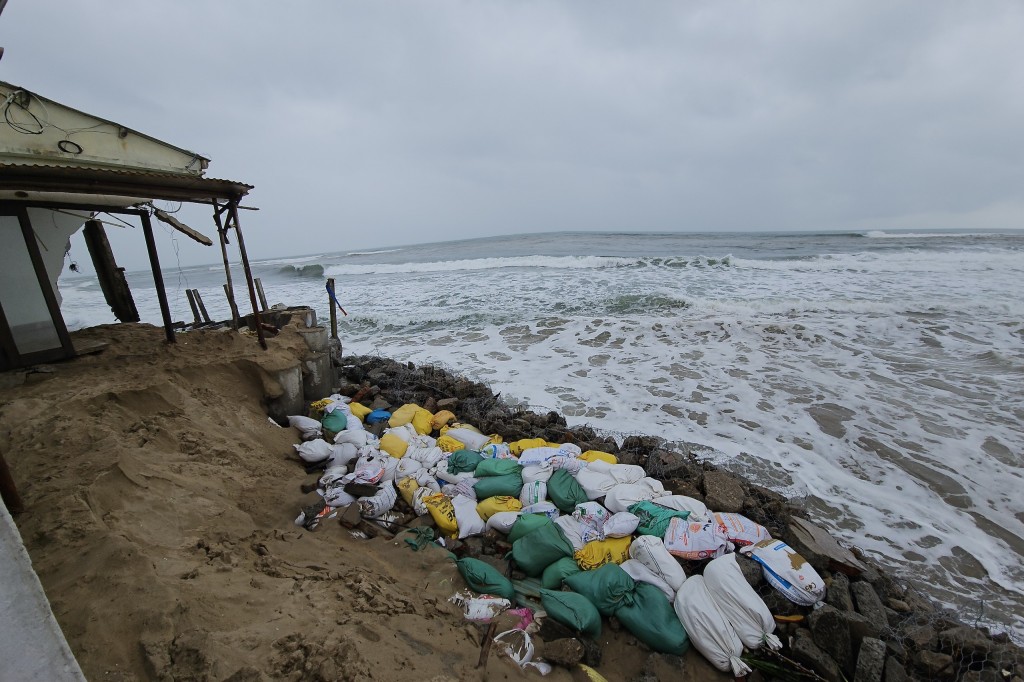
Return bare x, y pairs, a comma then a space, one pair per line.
160, 502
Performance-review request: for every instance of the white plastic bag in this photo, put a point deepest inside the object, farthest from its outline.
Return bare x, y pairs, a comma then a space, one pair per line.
380, 503
337, 497
368, 469
650, 551
787, 571
516, 645
709, 630
640, 573
620, 525
503, 521
481, 608
534, 492
573, 530
466, 516
696, 541
740, 530
314, 451
308, 427
698, 510
740, 604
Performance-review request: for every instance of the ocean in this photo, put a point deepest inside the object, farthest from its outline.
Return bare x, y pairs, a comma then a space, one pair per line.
877, 376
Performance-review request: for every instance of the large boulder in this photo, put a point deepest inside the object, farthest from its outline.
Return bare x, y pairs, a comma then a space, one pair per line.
838, 593
868, 603
723, 492
807, 653
821, 550
870, 660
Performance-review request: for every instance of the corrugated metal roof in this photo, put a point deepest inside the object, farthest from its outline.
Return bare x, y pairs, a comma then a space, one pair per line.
119, 182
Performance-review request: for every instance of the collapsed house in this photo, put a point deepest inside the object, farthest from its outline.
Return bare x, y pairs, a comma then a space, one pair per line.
60, 170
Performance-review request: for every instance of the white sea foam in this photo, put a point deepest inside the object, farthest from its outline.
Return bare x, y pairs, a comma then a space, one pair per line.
372, 253
478, 264
879, 234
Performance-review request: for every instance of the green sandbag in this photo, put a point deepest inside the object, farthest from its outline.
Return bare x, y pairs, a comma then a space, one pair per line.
608, 587
485, 579
654, 518
540, 548
556, 573
335, 422
565, 491
463, 461
572, 610
653, 621
527, 523
492, 486
497, 467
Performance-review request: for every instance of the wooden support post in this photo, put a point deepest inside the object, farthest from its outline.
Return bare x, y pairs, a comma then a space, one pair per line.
8, 490
233, 208
112, 281
158, 278
192, 304
259, 291
229, 291
202, 307
334, 312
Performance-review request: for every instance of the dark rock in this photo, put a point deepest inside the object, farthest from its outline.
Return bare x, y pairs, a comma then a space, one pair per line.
662, 668
867, 602
689, 488
898, 605
664, 464
921, 637
894, 618
870, 660
917, 602
896, 649
723, 492
1008, 657
752, 571
379, 404
447, 404
936, 666
821, 550
838, 593
807, 653
778, 604
984, 675
831, 632
894, 671
967, 642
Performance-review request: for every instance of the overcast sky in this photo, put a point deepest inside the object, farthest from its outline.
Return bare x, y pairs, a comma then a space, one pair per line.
366, 124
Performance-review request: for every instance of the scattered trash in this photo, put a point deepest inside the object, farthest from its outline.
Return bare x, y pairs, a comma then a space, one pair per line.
479, 609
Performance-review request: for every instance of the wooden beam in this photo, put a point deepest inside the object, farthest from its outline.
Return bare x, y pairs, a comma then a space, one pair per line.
182, 227
158, 277
112, 280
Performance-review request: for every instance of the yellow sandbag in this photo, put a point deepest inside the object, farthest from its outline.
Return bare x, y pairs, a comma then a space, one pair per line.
403, 415
407, 487
449, 444
422, 421
458, 425
393, 445
495, 439
498, 503
518, 446
600, 552
359, 410
595, 455
442, 419
443, 512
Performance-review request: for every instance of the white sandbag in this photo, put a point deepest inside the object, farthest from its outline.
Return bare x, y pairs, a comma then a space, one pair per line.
595, 482
573, 531
496, 451
620, 525
465, 488
343, 454
538, 456
709, 630
357, 438
354, 423
640, 573
534, 492
650, 551
427, 456
407, 467
466, 516
591, 517
418, 505
787, 571
625, 495
443, 475
696, 541
335, 496
656, 486
503, 521
698, 510
308, 427
740, 604
740, 530
571, 464
570, 449
406, 432
547, 508
380, 503
368, 469
332, 476
422, 440
314, 451
537, 472
390, 468
471, 439
626, 473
